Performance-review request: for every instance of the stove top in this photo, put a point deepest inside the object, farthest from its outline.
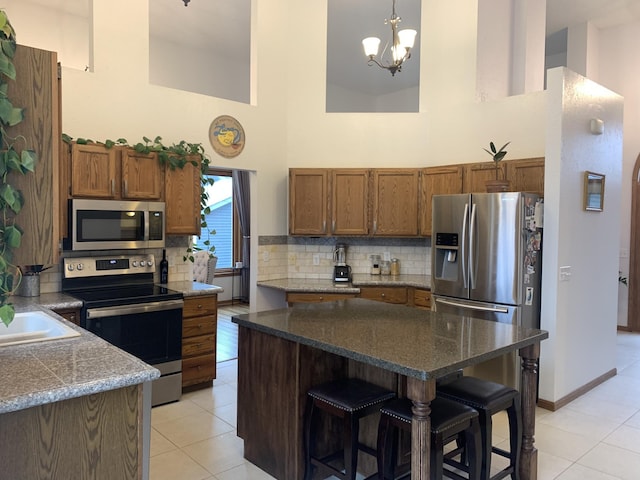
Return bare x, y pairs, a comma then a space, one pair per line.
116, 280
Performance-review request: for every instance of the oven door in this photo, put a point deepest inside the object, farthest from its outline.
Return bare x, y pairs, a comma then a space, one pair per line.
150, 331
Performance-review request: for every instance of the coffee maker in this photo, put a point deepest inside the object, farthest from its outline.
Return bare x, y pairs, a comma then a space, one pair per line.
341, 271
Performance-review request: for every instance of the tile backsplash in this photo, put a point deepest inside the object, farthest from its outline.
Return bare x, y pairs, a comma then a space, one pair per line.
294, 257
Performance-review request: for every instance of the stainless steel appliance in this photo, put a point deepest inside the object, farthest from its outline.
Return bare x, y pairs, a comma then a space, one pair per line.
485, 263
114, 224
341, 271
122, 305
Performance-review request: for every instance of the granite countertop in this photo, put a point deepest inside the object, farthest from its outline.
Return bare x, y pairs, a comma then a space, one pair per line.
327, 285
192, 289
406, 340
38, 373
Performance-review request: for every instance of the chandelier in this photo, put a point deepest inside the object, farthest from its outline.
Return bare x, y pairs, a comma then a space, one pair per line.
402, 43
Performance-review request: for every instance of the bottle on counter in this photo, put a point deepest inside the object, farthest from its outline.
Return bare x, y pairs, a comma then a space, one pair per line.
164, 268
385, 267
395, 266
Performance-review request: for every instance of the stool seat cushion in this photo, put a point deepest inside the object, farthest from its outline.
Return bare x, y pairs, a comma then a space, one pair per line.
445, 414
477, 393
350, 394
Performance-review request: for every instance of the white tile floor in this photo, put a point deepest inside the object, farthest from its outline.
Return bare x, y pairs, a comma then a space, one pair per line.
596, 437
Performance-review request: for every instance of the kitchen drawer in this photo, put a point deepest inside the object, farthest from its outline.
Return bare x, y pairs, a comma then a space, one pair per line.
195, 326
422, 298
198, 345
385, 294
317, 297
198, 369
200, 305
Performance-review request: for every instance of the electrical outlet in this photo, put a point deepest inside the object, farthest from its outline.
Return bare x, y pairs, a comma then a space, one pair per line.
386, 256
293, 258
565, 274
316, 259
265, 256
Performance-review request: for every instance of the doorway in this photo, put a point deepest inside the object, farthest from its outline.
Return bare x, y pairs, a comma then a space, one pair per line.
633, 322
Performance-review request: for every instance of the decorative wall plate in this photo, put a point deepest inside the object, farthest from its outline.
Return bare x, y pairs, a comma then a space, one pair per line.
226, 136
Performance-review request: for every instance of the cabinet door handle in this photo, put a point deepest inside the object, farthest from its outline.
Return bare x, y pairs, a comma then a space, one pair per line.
113, 186
125, 188
375, 226
333, 226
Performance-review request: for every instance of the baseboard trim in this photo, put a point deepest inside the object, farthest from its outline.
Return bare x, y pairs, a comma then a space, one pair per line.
624, 328
553, 406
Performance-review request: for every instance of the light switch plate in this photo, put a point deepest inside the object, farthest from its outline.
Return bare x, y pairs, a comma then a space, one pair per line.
565, 274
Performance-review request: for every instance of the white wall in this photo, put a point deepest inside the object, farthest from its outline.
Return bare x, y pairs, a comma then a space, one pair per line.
579, 314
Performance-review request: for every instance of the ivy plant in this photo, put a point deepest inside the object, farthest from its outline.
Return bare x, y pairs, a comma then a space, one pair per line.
14, 158
173, 156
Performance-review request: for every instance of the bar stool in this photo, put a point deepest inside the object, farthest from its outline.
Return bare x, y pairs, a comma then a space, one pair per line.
490, 398
350, 400
449, 419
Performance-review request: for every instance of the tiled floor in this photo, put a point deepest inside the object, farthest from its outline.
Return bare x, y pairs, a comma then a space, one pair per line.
596, 437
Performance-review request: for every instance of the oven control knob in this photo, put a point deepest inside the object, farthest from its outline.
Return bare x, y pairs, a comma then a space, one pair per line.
70, 267
142, 263
150, 263
80, 266
135, 263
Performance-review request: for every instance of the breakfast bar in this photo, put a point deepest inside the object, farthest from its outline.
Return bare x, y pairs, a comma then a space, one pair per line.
282, 353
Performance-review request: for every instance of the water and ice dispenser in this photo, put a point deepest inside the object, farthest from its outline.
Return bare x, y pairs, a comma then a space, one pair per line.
447, 256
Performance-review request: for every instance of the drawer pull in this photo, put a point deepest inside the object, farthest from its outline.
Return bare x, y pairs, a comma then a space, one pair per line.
199, 306
200, 326
382, 295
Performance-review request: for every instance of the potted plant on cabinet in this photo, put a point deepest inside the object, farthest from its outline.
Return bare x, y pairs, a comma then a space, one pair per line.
14, 158
497, 185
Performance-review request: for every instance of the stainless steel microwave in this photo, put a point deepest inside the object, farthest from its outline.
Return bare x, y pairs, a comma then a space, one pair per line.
115, 224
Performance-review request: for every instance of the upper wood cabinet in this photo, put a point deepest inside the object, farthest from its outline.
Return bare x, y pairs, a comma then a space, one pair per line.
395, 202
37, 89
93, 170
141, 176
476, 175
114, 173
437, 181
182, 193
308, 201
350, 202
526, 175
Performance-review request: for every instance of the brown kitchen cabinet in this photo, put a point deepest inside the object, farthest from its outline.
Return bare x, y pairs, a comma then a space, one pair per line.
437, 181
385, 294
317, 297
71, 314
420, 298
526, 175
308, 201
349, 201
37, 90
182, 188
113, 173
395, 202
476, 175
199, 325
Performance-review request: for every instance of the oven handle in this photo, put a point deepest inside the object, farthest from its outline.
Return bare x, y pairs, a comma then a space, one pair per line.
133, 309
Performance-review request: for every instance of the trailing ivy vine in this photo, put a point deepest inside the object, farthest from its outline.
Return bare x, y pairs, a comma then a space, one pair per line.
173, 156
14, 158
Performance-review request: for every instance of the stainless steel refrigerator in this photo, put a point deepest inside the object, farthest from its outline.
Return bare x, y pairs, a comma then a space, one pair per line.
485, 263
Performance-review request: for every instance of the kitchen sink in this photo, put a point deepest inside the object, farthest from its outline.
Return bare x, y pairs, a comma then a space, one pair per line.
34, 326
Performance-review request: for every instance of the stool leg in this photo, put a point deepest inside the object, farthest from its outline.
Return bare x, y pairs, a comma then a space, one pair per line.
486, 431
515, 439
473, 450
386, 460
308, 423
437, 454
351, 433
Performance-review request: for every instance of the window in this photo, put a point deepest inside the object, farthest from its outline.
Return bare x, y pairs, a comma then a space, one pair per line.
222, 219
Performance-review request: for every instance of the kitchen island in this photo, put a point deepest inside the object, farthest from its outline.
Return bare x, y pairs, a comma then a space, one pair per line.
74, 408
282, 353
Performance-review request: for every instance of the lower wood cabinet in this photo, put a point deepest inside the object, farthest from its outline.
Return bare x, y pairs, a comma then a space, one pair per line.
385, 294
71, 314
421, 298
199, 325
317, 297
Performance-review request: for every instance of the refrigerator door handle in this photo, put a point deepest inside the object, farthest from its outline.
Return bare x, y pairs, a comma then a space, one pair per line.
493, 308
472, 243
463, 247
